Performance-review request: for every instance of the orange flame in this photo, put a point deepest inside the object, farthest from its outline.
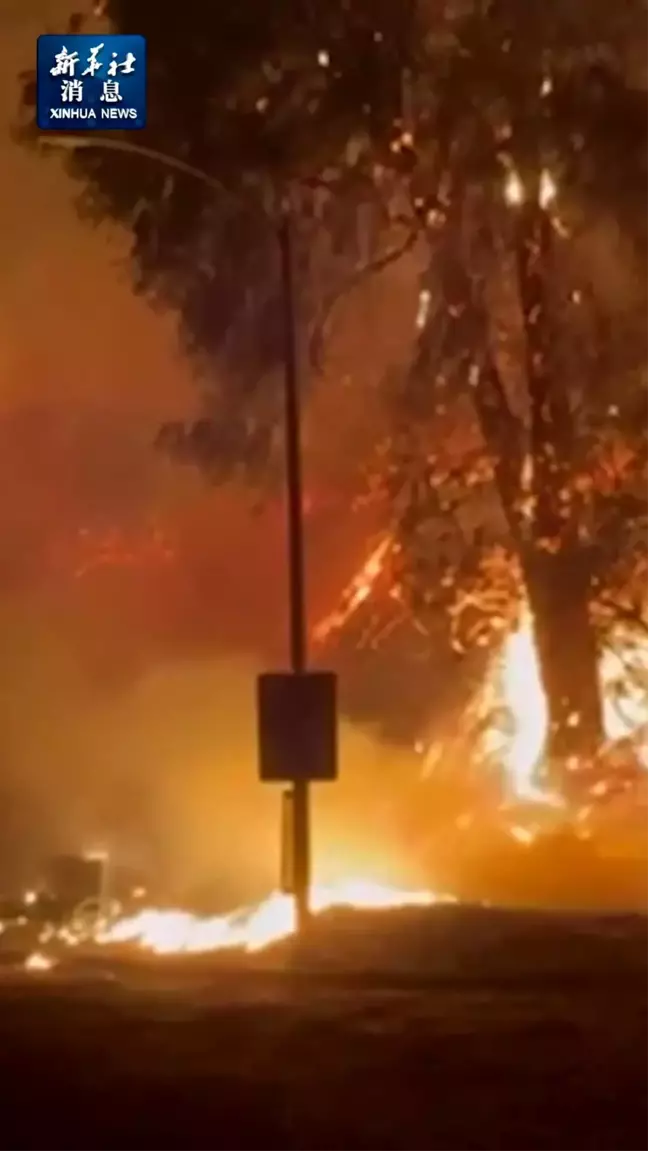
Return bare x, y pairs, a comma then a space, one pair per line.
357, 591
251, 929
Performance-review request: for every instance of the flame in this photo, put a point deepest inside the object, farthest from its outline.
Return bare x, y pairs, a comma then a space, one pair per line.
513, 685
247, 929
37, 961
523, 835
253, 928
357, 591
515, 681
514, 191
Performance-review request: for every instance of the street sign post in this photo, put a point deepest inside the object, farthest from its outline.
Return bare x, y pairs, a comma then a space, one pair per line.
297, 734
287, 859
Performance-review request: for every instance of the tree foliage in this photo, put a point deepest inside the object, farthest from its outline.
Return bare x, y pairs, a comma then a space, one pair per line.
506, 143
246, 97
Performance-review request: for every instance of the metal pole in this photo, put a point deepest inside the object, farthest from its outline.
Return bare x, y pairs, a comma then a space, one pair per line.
298, 631
301, 849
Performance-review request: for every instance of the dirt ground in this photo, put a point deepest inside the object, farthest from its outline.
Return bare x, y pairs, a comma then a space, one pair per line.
192, 1054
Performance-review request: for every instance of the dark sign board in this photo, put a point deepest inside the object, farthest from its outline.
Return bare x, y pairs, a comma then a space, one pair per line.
297, 725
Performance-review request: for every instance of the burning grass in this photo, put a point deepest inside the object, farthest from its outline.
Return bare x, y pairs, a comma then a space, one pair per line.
247, 929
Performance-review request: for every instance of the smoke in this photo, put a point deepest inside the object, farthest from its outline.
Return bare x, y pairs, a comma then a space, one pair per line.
136, 605
161, 769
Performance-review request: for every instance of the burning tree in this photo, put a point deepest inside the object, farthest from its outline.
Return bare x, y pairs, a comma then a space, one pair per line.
511, 326
489, 143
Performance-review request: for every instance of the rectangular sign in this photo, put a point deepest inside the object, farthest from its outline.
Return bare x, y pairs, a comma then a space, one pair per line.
297, 723
86, 83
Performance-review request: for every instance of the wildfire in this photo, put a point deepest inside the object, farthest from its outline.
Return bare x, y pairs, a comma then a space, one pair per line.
513, 685
247, 929
515, 681
253, 928
512, 704
357, 591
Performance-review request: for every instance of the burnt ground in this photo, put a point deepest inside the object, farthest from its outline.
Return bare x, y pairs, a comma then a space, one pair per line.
444, 1029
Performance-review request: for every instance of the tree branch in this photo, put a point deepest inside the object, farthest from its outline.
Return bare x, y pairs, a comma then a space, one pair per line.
373, 267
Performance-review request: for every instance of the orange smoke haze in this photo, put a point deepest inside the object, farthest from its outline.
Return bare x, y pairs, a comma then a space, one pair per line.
136, 604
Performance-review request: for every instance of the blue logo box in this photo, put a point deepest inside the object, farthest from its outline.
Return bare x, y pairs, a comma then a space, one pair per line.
90, 83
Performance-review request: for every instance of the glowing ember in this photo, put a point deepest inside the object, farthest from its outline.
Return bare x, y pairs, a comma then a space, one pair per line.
251, 929
514, 192
39, 962
522, 835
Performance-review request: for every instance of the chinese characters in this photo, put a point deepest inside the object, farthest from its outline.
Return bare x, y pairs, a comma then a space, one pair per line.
66, 64
91, 82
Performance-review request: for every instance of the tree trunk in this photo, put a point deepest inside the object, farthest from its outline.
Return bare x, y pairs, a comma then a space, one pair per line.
558, 590
556, 561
